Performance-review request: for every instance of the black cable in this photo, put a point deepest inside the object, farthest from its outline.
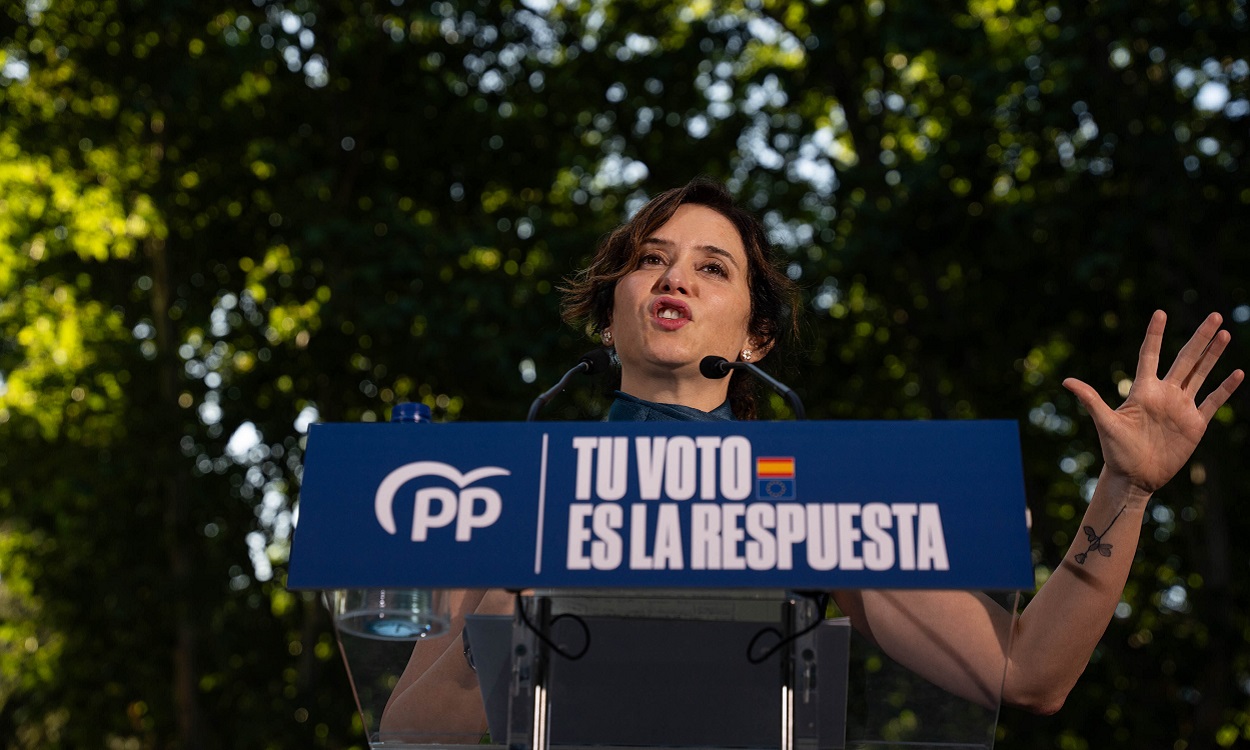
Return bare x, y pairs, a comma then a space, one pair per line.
520, 608
822, 604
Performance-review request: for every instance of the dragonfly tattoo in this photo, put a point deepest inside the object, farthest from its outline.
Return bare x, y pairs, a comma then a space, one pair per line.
1095, 541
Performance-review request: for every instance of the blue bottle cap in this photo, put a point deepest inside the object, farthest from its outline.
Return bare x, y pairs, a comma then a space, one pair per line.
411, 412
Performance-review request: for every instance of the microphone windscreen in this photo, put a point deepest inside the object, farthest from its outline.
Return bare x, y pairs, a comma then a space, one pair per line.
714, 367
597, 361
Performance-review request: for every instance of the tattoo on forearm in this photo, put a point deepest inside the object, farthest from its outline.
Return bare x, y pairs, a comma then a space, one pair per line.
1095, 541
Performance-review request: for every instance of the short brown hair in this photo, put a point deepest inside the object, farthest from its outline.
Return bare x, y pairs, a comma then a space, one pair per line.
590, 295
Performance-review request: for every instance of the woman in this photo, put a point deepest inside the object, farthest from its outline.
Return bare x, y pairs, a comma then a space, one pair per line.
691, 275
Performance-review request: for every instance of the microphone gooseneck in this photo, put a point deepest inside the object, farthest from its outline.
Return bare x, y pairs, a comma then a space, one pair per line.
715, 368
591, 363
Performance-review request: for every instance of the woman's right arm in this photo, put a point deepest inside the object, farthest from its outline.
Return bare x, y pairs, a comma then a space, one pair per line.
438, 691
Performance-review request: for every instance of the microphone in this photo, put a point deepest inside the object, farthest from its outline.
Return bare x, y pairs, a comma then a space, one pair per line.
591, 363
714, 367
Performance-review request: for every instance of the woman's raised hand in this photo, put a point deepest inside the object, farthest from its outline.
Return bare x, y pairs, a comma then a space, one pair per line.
1154, 432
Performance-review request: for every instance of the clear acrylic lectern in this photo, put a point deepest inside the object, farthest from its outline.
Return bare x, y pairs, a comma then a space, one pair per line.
669, 668
673, 578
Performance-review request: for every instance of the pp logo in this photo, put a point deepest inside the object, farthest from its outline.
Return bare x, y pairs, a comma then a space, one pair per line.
436, 507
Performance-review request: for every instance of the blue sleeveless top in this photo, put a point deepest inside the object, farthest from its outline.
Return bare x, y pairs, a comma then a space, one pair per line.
627, 408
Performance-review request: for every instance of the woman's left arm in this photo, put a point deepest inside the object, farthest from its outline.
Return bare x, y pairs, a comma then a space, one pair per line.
1144, 443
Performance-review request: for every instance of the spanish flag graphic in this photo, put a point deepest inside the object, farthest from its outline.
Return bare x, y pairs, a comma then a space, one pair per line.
774, 477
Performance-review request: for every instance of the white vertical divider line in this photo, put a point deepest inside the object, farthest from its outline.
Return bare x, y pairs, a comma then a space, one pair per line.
542, 504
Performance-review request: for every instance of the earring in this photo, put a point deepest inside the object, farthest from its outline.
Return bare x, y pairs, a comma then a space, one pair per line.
607, 337
746, 355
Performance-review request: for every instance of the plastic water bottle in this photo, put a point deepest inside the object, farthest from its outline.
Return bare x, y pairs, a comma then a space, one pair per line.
412, 412
393, 614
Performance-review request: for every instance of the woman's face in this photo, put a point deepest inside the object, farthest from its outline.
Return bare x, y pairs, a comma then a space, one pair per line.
688, 297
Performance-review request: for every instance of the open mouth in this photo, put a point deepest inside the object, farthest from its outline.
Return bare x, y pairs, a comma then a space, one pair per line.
667, 308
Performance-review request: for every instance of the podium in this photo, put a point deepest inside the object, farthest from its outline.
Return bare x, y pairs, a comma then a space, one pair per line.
670, 578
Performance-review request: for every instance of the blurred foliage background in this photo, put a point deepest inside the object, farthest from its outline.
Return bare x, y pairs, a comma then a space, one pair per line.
223, 219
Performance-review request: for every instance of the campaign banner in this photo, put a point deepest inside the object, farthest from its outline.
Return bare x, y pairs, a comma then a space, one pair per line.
797, 505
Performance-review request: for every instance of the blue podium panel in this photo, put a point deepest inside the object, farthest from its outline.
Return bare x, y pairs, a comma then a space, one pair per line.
796, 505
